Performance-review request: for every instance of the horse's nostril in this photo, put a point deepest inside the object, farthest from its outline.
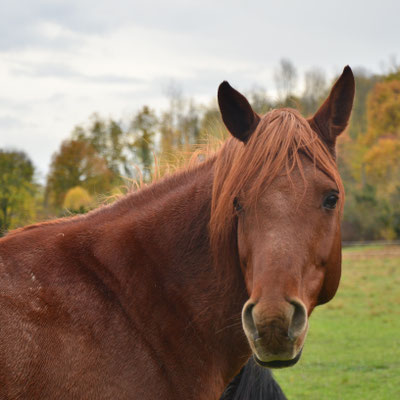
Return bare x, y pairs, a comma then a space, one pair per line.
299, 320
248, 320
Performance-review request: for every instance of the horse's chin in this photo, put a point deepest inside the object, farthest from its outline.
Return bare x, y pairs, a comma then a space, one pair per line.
278, 363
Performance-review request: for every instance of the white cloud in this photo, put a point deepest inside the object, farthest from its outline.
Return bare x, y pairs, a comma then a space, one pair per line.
60, 61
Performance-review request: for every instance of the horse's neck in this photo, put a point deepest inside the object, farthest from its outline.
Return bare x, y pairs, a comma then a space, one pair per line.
165, 263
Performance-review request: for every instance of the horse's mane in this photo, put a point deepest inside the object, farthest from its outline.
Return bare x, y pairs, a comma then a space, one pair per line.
140, 194
276, 147
253, 383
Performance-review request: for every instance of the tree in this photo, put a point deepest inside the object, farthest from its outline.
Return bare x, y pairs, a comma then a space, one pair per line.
259, 100
179, 125
383, 111
17, 189
76, 164
365, 216
365, 82
373, 159
143, 128
382, 164
77, 200
189, 125
314, 90
286, 81
170, 121
211, 123
110, 142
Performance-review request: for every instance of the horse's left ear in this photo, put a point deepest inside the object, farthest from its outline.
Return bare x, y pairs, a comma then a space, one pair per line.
333, 116
237, 114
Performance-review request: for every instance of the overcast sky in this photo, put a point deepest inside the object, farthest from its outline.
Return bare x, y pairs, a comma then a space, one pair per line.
60, 61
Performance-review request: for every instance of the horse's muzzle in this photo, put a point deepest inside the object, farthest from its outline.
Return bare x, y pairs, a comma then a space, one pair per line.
276, 334
278, 363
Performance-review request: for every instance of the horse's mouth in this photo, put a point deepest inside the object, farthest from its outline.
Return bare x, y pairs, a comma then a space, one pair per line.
278, 363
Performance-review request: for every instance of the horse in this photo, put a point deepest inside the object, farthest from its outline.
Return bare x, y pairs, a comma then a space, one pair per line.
166, 293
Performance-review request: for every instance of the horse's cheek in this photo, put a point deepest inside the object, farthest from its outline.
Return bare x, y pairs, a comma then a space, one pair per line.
332, 270
331, 282
245, 255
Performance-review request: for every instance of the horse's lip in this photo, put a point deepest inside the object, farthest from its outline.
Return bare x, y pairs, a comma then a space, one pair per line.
278, 363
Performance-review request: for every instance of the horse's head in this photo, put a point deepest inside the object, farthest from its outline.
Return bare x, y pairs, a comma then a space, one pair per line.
288, 197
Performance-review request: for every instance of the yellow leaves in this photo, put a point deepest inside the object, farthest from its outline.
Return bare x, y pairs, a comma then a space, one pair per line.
381, 143
17, 190
383, 110
77, 198
77, 164
370, 166
382, 163
388, 233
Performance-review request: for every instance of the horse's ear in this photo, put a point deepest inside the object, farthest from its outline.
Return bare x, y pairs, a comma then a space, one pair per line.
332, 117
237, 114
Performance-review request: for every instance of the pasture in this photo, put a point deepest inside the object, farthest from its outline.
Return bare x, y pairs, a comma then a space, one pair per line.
353, 347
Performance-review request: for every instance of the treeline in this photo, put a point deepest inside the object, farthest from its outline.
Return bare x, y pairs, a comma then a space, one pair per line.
104, 156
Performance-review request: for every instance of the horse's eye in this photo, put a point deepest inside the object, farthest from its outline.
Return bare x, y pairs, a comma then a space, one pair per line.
237, 206
330, 201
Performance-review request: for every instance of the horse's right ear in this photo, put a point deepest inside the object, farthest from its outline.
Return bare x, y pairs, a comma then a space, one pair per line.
237, 114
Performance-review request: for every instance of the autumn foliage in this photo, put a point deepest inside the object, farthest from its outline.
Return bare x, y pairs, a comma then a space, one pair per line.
372, 163
105, 155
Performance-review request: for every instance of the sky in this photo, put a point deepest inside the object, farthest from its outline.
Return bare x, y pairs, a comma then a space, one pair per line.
61, 61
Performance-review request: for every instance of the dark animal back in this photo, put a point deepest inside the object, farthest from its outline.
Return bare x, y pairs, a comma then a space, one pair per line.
253, 383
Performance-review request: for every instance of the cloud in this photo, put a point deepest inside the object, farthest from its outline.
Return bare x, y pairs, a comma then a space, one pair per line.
7, 122
60, 61
63, 71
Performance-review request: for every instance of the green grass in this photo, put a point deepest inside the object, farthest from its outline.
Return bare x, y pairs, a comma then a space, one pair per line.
353, 346
363, 247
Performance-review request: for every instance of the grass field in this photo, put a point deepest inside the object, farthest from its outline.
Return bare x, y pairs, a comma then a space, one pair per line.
353, 346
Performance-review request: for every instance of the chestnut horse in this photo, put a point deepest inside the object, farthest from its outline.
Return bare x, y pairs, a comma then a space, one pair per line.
166, 293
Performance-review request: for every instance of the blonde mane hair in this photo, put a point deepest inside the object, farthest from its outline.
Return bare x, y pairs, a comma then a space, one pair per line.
274, 148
